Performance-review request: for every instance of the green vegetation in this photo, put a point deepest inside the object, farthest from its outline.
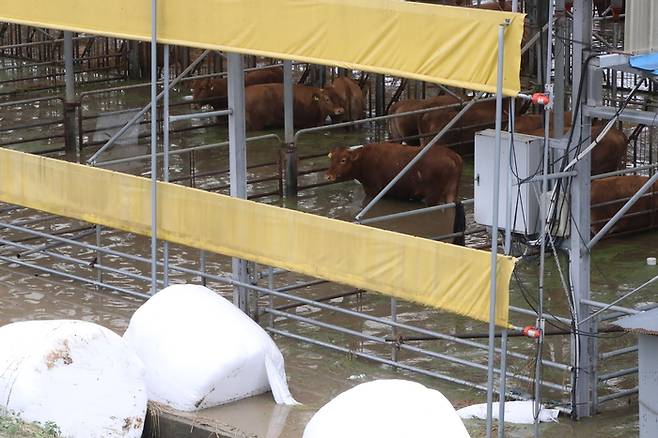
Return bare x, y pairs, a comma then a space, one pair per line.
13, 427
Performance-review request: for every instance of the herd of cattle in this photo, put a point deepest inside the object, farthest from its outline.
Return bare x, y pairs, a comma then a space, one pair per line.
435, 178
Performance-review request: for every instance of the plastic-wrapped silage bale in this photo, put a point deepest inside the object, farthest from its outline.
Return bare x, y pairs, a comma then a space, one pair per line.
202, 351
387, 409
76, 374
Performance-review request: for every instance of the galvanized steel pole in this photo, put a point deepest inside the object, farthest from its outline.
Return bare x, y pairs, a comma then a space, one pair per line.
237, 160
583, 347
543, 219
69, 96
165, 150
154, 147
290, 148
494, 228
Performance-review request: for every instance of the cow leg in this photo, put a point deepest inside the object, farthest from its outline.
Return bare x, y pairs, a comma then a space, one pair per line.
459, 224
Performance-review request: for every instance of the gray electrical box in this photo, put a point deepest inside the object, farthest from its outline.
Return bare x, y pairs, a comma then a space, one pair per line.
522, 199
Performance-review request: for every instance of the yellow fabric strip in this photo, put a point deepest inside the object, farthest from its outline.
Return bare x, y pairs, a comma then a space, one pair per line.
435, 274
443, 44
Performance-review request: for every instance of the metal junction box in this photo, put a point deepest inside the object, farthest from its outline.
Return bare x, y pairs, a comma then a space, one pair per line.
524, 162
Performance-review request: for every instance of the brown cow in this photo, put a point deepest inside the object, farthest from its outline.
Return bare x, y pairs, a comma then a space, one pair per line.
533, 122
478, 117
264, 106
348, 94
407, 126
607, 156
214, 91
622, 188
434, 179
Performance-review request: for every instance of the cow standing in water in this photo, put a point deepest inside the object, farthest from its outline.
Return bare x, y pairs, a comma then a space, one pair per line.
214, 91
621, 188
407, 126
264, 106
434, 179
347, 93
607, 156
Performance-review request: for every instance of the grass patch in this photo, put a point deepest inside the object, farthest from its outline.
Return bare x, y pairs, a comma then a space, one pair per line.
13, 427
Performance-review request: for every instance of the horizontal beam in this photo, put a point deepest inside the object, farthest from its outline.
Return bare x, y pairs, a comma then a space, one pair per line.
631, 116
200, 115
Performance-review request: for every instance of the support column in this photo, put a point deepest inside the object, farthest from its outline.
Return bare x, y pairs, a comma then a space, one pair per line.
237, 160
154, 150
494, 229
290, 149
583, 347
380, 95
70, 135
133, 60
560, 58
165, 150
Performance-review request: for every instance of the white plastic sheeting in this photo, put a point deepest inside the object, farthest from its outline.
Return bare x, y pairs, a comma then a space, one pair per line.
387, 409
520, 412
75, 374
202, 351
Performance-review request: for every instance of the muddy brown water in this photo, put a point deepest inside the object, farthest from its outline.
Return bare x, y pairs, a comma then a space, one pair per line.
316, 374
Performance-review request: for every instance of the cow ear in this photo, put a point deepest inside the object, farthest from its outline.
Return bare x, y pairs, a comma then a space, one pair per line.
355, 155
316, 97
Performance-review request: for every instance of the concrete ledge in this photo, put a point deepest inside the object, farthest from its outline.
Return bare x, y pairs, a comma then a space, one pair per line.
163, 422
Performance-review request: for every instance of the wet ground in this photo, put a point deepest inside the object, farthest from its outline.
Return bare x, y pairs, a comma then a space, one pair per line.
316, 374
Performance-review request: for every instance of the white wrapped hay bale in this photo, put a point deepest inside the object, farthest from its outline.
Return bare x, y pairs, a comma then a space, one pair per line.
201, 351
76, 374
387, 409
519, 412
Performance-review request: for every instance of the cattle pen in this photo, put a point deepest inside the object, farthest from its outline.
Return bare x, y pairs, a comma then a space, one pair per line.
121, 192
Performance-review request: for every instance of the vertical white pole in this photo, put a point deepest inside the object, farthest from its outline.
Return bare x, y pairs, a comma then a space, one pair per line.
494, 228
165, 146
154, 148
237, 160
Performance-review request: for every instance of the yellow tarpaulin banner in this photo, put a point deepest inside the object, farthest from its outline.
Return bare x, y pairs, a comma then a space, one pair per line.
432, 273
444, 44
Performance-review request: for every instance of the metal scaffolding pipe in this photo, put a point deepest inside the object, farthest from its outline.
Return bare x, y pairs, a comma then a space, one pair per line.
406, 347
166, 119
237, 162
494, 224
620, 373
154, 147
620, 352
402, 214
199, 115
147, 108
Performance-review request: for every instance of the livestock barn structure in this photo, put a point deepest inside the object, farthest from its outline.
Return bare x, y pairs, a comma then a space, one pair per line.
66, 214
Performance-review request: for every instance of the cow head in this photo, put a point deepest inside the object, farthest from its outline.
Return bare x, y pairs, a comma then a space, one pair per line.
329, 103
205, 89
343, 164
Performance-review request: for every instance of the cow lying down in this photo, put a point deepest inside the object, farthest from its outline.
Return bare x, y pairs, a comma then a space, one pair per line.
608, 195
434, 179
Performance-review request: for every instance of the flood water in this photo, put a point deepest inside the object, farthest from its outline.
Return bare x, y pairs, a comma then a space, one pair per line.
316, 374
